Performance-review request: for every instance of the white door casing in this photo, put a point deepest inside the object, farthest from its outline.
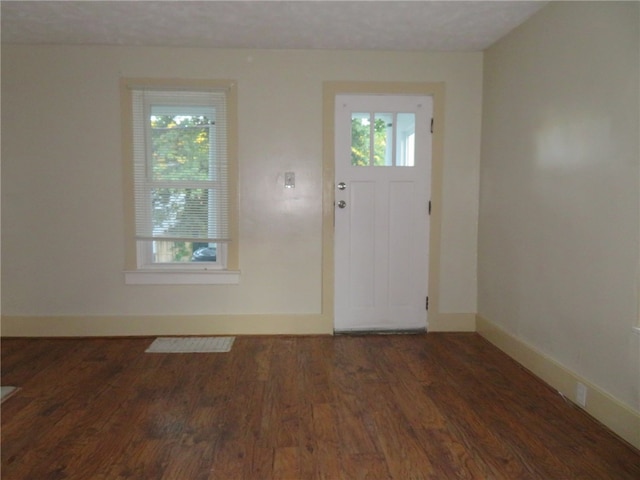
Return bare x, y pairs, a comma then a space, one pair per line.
381, 249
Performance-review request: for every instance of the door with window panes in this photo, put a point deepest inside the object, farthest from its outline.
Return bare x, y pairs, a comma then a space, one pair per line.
382, 191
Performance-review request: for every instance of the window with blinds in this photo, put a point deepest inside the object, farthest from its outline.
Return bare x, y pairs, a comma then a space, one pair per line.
181, 165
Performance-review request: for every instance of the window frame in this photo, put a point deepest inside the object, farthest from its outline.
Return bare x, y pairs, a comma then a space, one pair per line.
178, 105
138, 270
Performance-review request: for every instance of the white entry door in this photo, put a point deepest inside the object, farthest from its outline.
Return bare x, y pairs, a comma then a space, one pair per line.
382, 191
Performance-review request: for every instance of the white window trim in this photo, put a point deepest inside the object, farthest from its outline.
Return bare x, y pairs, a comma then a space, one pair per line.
144, 260
172, 103
175, 276
177, 105
197, 273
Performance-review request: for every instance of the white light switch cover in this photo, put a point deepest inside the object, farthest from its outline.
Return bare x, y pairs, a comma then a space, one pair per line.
289, 179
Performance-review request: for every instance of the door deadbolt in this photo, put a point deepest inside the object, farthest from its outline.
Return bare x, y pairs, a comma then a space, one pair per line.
342, 186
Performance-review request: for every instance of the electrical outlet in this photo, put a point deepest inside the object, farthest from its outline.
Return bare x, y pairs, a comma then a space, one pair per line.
581, 394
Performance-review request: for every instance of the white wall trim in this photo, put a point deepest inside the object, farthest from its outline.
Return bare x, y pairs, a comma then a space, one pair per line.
150, 325
451, 322
619, 417
181, 277
116, 326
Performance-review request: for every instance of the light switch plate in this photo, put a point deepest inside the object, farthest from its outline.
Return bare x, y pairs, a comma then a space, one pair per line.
289, 180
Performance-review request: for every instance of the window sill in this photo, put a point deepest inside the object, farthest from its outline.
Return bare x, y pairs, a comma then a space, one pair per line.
182, 277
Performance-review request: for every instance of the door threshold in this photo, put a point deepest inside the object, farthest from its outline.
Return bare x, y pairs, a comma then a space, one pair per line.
408, 331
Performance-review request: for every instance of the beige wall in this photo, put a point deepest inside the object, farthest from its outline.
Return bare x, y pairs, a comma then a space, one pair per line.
559, 202
62, 217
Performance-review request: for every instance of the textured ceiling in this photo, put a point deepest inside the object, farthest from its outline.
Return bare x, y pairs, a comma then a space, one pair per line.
367, 25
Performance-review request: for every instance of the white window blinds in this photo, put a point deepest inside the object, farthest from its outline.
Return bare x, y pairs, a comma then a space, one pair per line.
180, 165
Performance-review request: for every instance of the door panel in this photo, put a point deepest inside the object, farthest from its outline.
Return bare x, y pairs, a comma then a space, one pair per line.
383, 157
401, 195
362, 244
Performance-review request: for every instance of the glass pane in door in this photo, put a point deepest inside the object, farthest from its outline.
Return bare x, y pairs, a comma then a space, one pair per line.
383, 140
360, 139
406, 135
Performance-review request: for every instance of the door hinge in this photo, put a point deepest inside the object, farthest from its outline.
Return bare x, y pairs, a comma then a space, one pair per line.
429, 207
432, 125
427, 304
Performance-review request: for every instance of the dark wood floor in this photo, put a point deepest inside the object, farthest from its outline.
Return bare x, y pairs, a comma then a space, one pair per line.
435, 406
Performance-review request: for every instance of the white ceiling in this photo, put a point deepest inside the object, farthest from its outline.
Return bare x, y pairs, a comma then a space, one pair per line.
351, 25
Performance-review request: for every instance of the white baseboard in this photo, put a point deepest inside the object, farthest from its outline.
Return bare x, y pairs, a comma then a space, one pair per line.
617, 416
116, 326
452, 322
269, 324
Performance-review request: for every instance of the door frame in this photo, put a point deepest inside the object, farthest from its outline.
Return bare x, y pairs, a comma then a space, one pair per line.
436, 90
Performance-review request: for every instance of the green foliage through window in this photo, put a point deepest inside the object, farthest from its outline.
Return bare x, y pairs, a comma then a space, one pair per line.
181, 147
361, 140
181, 151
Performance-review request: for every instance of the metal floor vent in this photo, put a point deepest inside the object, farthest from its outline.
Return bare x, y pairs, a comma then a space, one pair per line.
190, 345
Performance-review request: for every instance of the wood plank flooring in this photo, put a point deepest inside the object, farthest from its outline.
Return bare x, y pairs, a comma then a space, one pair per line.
437, 406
